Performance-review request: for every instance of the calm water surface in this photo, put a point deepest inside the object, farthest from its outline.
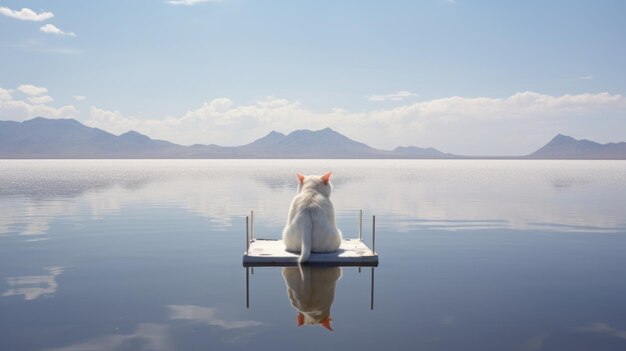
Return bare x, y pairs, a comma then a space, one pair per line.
474, 255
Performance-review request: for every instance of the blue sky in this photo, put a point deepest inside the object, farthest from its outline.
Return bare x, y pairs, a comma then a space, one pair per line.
478, 77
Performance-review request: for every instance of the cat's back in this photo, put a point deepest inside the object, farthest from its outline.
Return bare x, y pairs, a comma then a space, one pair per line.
310, 199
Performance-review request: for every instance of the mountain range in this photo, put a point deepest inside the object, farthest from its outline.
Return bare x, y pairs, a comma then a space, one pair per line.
67, 138
566, 147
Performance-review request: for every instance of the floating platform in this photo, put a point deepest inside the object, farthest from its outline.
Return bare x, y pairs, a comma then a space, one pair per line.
272, 252
268, 252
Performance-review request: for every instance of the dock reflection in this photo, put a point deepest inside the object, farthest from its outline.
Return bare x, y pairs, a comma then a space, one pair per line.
311, 291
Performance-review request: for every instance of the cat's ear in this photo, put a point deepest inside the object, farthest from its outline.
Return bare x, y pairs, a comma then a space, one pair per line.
300, 177
326, 323
326, 177
300, 319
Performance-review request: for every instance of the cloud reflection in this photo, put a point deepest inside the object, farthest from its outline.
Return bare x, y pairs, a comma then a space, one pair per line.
148, 337
604, 329
34, 286
208, 316
159, 336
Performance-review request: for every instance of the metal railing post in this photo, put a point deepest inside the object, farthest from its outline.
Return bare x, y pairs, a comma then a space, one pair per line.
252, 225
247, 234
361, 225
374, 234
247, 288
372, 291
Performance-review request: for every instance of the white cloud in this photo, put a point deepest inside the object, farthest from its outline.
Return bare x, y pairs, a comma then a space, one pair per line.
26, 14
32, 90
115, 122
517, 124
188, 2
5, 94
35, 105
79, 97
43, 99
590, 77
19, 111
398, 96
52, 29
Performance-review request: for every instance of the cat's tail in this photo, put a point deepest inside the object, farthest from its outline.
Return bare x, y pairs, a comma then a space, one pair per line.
306, 225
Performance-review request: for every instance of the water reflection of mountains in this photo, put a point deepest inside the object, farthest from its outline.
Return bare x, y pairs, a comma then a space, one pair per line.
441, 195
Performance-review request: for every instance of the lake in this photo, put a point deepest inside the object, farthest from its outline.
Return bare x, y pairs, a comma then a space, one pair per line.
474, 255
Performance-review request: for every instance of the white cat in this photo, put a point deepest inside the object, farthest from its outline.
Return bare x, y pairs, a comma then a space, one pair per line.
311, 223
311, 291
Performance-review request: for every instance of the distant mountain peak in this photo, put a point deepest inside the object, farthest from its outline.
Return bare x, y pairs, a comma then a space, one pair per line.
133, 134
39, 120
326, 130
561, 138
566, 147
419, 151
135, 138
272, 136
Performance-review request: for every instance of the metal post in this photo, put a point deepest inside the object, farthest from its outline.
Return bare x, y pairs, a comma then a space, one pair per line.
374, 234
247, 234
252, 225
361, 225
372, 291
247, 288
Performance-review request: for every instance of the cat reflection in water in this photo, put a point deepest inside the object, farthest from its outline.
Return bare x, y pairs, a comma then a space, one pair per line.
311, 222
311, 291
